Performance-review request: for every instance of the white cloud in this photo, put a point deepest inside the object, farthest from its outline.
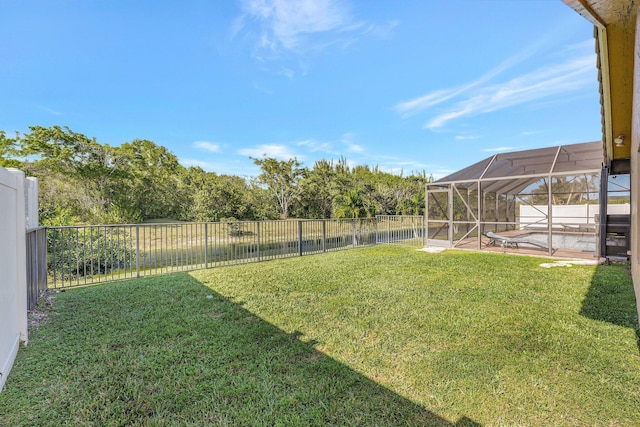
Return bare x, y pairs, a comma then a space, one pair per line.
441, 173
480, 96
396, 165
314, 146
408, 167
499, 149
347, 139
465, 137
355, 148
588, 44
227, 167
50, 110
553, 80
384, 31
416, 105
309, 146
276, 151
207, 166
285, 33
208, 146
287, 72
263, 89
286, 23
404, 167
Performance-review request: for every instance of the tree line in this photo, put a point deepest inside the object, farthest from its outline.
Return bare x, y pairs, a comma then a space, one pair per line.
82, 181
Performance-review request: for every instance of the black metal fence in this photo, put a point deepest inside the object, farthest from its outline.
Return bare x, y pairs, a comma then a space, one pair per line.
405, 229
82, 255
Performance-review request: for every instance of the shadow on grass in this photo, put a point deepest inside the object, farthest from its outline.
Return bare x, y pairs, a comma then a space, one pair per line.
611, 298
169, 350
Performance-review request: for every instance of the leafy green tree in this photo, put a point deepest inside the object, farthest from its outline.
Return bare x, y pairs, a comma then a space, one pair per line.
217, 196
75, 172
282, 178
565, 190
413, 205
353, 205
388, 198
83, 181
8, 152
317, 191
261, 202
153, 185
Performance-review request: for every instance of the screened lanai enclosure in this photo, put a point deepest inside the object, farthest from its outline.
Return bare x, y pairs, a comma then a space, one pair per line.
557, 201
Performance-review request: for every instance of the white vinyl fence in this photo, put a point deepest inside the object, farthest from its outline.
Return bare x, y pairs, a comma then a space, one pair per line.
13, 287
567, 217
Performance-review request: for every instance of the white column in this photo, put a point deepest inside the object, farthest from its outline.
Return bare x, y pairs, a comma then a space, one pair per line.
21, 253
31, 205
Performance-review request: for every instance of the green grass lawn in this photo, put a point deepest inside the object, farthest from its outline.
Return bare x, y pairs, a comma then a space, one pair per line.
383, 335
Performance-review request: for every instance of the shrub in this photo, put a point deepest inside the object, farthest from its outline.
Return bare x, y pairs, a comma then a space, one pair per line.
81, 253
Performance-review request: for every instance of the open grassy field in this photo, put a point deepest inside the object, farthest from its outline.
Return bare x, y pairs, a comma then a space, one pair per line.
383, 335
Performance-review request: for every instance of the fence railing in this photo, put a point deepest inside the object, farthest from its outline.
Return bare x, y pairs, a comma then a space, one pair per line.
36, 244
82, 255
400, 229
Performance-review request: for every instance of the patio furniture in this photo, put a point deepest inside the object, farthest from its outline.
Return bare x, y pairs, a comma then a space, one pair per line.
512, 242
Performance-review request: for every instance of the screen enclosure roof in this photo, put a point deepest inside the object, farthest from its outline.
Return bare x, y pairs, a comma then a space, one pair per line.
512, 172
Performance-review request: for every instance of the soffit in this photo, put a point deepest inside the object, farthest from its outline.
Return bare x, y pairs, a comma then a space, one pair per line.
615, 32
603, 12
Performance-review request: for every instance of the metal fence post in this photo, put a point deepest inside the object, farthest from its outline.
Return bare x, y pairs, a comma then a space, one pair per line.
258, 240
44, 271
353, 231
55, 257
375, 224
324, 235
299, 237
206, 245
137, 250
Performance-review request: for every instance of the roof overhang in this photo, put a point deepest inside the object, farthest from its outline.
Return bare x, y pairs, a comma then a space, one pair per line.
615, 32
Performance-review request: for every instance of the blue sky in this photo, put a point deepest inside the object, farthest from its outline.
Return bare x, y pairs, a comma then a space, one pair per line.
407, 85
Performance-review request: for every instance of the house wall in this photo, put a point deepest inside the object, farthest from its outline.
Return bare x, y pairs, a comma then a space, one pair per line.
535, 215
13, 284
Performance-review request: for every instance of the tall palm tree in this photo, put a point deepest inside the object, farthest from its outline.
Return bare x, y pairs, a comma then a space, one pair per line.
353, 205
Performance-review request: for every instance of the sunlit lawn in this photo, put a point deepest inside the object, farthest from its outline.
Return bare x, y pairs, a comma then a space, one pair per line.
378, 336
